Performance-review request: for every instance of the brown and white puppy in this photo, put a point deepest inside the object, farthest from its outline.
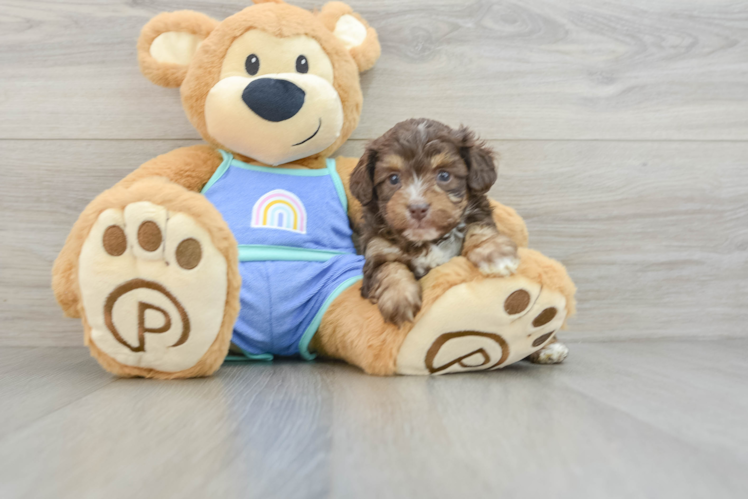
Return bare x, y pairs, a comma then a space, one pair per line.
423, 188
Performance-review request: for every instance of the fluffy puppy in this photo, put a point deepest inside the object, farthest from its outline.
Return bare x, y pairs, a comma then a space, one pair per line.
423, 188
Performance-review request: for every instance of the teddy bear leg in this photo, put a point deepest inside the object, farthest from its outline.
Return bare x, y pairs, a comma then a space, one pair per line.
353, 330
468, 322
485, 323
158, 282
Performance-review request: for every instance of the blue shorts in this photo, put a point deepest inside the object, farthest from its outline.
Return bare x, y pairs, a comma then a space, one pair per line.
282, 303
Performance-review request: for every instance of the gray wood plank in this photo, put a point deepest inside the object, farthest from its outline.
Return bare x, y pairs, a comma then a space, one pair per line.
520, 433
654, 234
539, 69
259, 431
35, 382
616, 420
691, 390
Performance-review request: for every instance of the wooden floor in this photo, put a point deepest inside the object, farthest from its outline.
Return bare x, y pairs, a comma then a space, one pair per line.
625, 419
623, 131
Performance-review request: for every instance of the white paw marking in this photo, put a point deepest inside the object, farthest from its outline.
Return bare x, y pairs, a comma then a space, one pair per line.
552, 354
153, 287
504, 266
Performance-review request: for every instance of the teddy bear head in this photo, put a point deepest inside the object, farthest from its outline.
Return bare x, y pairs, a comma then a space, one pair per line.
273, 83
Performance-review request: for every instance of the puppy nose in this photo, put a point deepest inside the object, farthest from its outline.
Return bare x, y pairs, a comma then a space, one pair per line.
418, 210
273, 99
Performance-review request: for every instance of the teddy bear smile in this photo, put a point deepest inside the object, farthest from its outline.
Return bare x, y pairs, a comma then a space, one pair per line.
311, 136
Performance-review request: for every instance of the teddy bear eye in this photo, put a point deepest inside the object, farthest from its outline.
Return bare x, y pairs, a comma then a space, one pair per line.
443, 176
252, 64
302, 65
394, 179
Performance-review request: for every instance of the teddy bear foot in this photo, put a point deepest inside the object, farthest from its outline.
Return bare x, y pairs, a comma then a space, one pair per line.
153, 288
482, 325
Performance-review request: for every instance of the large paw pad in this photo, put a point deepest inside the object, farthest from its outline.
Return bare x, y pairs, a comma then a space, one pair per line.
140, 291
153, 286
482, 325
466, 351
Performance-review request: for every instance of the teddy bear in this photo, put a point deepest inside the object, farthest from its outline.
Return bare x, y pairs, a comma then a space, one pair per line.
245, 243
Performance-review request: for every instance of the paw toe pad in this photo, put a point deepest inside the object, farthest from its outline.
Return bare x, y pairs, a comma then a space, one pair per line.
115, 241
545, 317
542, 339
189, 253
517, 302
149, 236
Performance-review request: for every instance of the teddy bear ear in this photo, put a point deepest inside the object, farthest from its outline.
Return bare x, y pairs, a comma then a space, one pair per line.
350, 28
168, 42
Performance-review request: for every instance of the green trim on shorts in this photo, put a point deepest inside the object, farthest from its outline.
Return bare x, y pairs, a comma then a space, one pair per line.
314, 325
255, 253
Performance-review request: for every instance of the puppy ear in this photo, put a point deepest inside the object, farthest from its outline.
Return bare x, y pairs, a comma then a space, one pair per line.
354, 32
362, 178
168, 42
480, 161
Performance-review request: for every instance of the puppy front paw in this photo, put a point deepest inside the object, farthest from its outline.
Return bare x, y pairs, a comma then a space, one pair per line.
496, 255
552, 354
394, 288
401, 303
503, 266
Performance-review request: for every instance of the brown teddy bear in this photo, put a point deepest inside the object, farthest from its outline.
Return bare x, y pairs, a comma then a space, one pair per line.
248, 238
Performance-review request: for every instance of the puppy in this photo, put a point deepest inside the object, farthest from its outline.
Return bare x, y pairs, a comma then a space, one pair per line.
423, 189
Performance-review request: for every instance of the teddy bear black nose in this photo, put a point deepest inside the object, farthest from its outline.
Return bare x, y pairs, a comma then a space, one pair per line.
273, 99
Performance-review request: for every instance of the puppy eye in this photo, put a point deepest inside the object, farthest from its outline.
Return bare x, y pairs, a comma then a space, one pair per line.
394, 179
252, 64
443, 176
302, 65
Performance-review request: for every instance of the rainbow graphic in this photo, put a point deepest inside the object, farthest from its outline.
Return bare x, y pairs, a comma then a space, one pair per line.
280, 209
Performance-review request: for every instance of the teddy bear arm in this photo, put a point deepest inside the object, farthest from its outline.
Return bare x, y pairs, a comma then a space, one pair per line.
190, 167
345, 168
510, 223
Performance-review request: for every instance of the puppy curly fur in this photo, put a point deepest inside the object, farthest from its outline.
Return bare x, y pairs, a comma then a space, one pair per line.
423, 189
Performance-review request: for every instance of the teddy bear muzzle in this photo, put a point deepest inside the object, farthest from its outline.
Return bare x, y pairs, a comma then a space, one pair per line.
276, 118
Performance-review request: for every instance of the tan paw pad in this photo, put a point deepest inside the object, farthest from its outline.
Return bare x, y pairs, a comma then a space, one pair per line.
153, 286
482, 325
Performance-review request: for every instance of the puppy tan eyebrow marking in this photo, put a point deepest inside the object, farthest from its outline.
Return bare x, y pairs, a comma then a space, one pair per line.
393, 161
440, 160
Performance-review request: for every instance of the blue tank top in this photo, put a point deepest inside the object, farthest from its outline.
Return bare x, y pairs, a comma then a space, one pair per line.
296, 250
